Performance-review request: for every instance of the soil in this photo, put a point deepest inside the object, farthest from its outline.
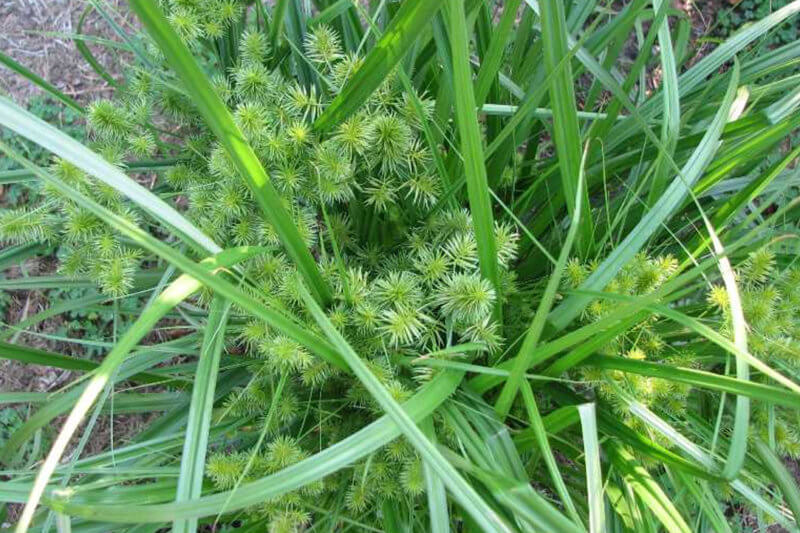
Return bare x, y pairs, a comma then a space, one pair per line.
36, 33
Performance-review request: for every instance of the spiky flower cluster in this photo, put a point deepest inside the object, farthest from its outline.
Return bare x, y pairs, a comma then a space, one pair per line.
364, 196
770, 298
87, 246
640, 277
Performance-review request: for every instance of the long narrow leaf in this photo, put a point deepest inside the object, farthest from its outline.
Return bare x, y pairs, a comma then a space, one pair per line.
471, 148
781, 475
281, 321
190, 481
660, 212
566, 133
544, 448
698, 378
401, 33
37, 80
524, 358
328, 461
238, 149
594, 477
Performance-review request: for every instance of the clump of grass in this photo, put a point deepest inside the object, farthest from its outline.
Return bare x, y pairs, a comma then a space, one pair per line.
384, 323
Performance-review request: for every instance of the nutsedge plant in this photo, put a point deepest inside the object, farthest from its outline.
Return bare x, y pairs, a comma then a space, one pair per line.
361, 229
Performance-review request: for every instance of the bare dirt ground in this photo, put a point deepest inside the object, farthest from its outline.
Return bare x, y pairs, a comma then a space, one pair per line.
37, 33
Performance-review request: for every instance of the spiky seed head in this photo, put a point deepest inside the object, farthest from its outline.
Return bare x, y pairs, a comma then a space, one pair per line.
322, 45
252, 81
412, 477
465, 297
403, 326
25, 225
303, 102
299, 135
391, 142
67, 172
186, 23
418, 158
354, 134
143, 144
219, 164
506, 239
115, 274
334, 173
283, 451
759, 266
289, 179
179, 176
251, 117
398, 289
380, 194
358, 498
289, 520
225, 469
432, 264
484, 331
574, 273
423, 189
222, 86
344, 69
462, 250
407, 108
718, 296
254, 47
109, 120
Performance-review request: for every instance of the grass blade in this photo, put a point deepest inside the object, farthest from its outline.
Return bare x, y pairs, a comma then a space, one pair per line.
539, 432
781, 475
492, 60
524, 358
657, 215
566, 132
671, 122
238, 149
594, 476
437, 497
87, 53
471, 148
646, 488
190, 480
738, 448
32, 356
495, 461
63, 523
694, 451
698, 378
397, 39
328, 461
281, 321
710, 334
278, 14
16, 254
175, 293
